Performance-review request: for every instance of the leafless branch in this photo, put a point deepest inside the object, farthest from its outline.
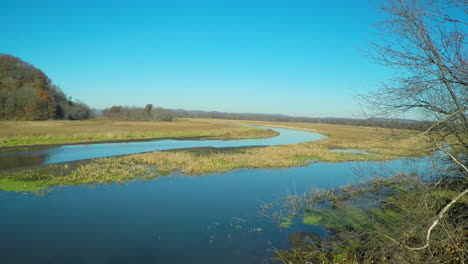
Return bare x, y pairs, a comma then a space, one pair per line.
434, 224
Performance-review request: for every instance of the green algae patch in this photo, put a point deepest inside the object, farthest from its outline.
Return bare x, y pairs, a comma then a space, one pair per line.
11, 185
312, 220
286, 222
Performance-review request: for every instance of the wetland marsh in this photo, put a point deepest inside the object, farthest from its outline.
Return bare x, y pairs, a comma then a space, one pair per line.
148, 207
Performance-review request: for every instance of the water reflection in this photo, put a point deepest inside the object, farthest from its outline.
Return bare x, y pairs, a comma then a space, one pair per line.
176, 219
21, 159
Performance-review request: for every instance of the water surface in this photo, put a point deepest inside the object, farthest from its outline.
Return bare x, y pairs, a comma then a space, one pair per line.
30, 156
174, 219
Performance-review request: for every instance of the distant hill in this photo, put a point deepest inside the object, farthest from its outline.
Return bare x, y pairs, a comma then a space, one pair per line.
136, 113
372, 122
27, 93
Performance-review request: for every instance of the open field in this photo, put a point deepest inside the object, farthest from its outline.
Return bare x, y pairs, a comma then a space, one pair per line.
383, 144
23, 133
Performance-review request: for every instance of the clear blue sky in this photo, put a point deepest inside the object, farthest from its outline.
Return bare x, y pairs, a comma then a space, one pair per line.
301, 58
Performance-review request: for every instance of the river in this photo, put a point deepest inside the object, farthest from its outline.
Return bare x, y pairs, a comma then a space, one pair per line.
210, 218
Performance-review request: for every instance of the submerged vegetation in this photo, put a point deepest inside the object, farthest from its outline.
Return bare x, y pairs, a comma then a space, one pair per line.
384, 220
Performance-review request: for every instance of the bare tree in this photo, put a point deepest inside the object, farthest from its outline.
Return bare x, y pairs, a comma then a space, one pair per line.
424, 41
148, 108
425, 44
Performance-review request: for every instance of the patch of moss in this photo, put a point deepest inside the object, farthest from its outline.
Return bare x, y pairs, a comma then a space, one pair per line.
286, 222
312, 220
10, 185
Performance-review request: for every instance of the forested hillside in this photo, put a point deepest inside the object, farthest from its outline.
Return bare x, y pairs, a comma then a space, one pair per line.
26, 93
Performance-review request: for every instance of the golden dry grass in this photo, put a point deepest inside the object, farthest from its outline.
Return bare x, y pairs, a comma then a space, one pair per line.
383, 144
16, 133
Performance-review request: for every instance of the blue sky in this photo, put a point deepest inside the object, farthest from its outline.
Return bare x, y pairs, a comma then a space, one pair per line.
302, 58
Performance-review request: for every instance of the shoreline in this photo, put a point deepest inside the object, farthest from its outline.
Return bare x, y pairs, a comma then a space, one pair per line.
182, 138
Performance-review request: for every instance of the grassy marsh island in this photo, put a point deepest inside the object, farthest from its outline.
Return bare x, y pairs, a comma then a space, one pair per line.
28, 133
381, 144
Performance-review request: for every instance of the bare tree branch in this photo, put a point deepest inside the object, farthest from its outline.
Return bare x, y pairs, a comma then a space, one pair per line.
434, 224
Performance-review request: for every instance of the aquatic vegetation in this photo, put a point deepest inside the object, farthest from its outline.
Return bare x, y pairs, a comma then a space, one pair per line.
286, 222
97, 172
313, 220
376, 221
22, 186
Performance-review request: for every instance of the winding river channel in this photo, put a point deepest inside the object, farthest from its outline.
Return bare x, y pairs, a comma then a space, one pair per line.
40, 155
211, 218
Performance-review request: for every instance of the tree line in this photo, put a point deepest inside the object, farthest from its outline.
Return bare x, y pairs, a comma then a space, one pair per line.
148, 113
27, 93
161, 114
370, 122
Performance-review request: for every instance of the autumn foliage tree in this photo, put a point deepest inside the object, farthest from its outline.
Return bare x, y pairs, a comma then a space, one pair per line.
147, 113
26, 93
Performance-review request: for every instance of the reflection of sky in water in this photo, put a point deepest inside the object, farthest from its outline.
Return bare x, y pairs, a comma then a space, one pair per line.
174, 219
55, 154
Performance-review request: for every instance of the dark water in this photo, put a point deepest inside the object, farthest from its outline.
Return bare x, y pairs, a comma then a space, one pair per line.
174, 219
23, 157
